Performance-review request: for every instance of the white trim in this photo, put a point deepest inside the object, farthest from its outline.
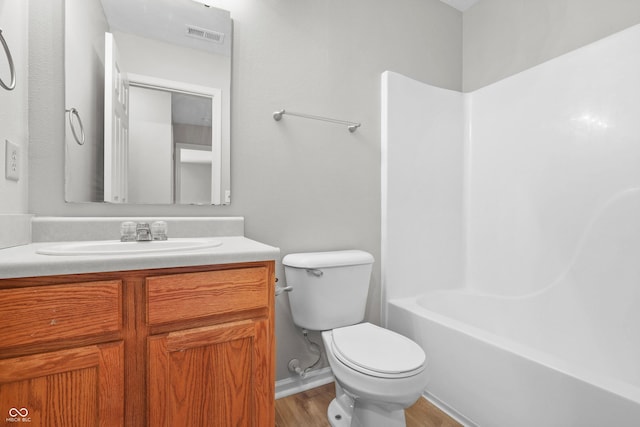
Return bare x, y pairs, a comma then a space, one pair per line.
384, 193
293, 385
466, 422
175, 86
192, 147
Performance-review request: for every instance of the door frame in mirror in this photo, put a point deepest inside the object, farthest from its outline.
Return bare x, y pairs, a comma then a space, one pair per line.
151, 82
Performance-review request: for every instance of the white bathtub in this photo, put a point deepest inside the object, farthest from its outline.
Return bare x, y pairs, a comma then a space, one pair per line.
566, 355
505, 362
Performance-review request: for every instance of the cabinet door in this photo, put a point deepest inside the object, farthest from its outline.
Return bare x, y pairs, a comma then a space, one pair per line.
213, 376
76, 387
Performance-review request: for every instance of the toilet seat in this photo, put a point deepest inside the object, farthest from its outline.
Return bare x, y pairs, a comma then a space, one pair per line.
376, 351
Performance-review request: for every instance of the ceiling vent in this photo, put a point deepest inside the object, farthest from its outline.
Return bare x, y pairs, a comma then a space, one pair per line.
204, 34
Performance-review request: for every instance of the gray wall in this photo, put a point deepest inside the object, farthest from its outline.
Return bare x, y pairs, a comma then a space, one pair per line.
503, 37
13, 105
301, 185
14, 220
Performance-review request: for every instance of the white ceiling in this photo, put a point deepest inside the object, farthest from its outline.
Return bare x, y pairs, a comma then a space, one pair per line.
461, 5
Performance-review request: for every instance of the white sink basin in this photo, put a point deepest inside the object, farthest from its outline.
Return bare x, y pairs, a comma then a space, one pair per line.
116, 247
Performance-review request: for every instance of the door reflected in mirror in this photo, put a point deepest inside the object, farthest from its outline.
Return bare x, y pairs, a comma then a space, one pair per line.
172, 141
153, 99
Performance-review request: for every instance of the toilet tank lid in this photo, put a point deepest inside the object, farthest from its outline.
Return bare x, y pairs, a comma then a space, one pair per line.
327, 259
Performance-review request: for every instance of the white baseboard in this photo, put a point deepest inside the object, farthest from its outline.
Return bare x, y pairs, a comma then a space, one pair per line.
449, 410
293, 385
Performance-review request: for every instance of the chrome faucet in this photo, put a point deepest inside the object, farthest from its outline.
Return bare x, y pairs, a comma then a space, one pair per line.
143, 232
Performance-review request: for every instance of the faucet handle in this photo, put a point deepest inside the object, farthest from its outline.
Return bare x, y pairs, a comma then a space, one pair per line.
128, 231
143, 232
159, 230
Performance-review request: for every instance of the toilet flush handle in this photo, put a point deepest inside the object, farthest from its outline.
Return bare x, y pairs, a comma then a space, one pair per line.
281, 289
315, 272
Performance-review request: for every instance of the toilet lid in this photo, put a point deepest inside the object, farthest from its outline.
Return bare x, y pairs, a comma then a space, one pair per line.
377, 351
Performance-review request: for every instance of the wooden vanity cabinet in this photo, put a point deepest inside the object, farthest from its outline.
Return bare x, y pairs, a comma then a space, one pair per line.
165, 347
61, 353
80, 386
224, 366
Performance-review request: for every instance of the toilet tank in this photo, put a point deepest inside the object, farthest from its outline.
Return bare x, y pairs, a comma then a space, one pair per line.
329, 289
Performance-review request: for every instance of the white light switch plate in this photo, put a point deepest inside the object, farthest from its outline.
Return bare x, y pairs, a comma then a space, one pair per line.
12, 161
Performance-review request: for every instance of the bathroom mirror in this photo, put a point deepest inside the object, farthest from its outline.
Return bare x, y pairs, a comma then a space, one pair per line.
147, 102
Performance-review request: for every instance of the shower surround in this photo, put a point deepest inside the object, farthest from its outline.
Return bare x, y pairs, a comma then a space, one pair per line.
511, 238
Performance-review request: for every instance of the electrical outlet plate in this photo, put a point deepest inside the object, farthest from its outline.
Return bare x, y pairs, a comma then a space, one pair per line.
12, 161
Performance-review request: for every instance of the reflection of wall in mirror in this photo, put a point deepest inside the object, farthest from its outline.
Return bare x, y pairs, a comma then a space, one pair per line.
171, 62
150, 146
193, 177
195, 183
192, 134
85, 25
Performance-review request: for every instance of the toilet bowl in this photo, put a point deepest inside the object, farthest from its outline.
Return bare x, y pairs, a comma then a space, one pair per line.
378, 372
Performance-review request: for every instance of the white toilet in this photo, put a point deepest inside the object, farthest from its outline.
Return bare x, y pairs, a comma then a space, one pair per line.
378, 372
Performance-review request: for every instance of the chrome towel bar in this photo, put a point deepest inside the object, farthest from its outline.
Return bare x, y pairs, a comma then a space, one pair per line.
352, 126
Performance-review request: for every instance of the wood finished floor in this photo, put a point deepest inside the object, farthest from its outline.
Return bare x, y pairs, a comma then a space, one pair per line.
309, 409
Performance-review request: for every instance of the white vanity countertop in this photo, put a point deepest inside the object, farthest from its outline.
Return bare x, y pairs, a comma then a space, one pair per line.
23, 261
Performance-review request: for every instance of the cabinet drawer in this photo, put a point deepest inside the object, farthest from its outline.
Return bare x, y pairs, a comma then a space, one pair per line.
188, 296
51, 313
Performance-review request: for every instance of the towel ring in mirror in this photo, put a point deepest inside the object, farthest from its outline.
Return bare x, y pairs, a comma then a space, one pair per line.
12, 68
74, 112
